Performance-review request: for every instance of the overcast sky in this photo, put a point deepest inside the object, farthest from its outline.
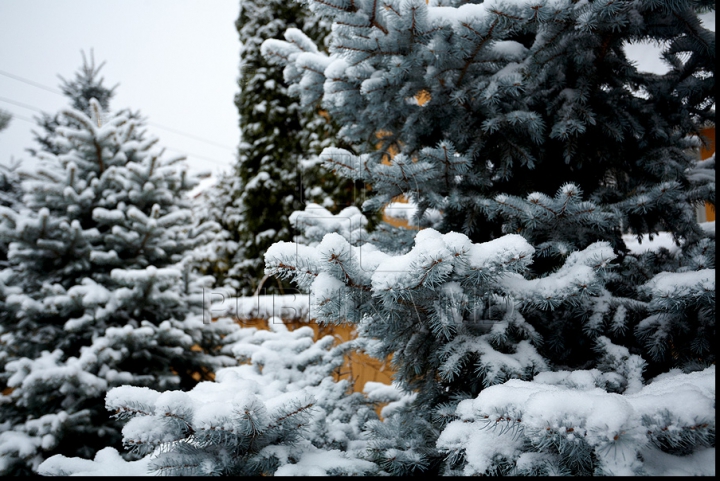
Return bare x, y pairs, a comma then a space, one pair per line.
175, 60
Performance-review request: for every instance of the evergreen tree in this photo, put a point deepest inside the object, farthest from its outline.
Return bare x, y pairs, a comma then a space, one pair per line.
9, 181
540, 144
277, 169
10, 198
216, 257
10, 193
86, 85
5, 118
10, 185
99, 291
526, 334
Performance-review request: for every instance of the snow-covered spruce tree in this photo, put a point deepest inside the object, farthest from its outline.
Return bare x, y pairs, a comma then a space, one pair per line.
5, 118
10, 185
215, 258
99, 292
277, 169
281, 412
10, 193
87, 84
10, 196
541, 144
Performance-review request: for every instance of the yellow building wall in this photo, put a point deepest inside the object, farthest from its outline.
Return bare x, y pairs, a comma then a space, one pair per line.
358, 368
422, 98
706, 151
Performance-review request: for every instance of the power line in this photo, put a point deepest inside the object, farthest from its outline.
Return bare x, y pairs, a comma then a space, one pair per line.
154, 124
20, 104
188, 154
30, 82
30, 107
21, 117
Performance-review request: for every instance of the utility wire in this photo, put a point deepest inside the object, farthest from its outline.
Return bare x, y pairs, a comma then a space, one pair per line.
30, 107
20, 117
160, 126
20, 104
30, 82
188, 154
153, 124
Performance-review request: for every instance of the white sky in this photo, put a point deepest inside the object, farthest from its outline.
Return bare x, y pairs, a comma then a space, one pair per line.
175, 60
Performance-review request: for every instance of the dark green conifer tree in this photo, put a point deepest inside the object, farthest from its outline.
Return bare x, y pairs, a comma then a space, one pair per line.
277, 170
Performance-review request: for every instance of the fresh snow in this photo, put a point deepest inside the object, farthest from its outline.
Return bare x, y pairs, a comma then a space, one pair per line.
107, 462
488, 425
660, 240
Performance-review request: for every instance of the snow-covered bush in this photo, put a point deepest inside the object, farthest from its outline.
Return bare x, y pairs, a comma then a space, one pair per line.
282, 412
